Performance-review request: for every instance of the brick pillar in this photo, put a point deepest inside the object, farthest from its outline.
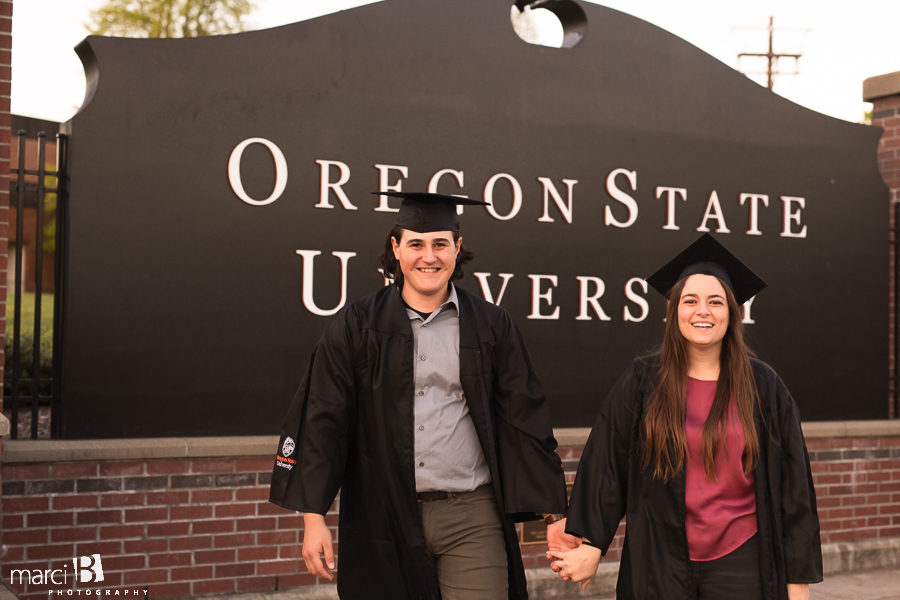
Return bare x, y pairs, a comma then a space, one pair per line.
884, 94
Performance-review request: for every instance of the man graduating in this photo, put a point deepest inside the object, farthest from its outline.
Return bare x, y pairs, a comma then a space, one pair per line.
421, 405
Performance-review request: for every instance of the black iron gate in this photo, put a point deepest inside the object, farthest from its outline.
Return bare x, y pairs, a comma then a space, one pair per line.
38, 198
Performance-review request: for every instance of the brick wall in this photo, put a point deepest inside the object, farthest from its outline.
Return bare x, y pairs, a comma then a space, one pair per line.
194, 526
857, 487
180, 527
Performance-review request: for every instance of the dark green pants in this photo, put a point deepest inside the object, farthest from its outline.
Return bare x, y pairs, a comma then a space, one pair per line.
464, 535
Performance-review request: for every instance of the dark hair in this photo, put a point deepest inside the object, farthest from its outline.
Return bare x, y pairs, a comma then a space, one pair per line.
665, 443
391, 267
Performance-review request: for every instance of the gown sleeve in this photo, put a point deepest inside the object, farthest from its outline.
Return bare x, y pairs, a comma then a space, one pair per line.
599, 495
800, 520
532, 472
312, 451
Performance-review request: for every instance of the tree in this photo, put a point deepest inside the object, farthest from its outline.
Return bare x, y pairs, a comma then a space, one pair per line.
169, 18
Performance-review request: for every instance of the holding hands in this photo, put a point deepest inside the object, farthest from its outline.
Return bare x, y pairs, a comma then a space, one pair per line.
579, 565
573, 560
558, 539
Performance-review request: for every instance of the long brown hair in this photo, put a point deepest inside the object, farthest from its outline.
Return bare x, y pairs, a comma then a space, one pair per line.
665, 443
391, 267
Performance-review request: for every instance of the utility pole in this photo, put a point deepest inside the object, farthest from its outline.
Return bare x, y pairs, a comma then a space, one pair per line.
771, 56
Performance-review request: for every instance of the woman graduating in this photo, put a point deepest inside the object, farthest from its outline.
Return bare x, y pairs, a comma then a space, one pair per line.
700, 447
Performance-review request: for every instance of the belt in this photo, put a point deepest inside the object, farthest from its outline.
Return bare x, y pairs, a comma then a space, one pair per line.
431, 496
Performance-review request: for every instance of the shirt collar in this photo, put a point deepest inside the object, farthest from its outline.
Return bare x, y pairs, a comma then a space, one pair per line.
452, 298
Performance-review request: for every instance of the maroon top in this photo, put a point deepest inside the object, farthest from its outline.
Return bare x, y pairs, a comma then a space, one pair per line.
721, 514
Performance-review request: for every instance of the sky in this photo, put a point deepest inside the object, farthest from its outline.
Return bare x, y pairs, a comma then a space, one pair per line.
841, 43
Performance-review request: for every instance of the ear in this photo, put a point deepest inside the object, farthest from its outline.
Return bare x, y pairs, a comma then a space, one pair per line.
396, 247
458, 244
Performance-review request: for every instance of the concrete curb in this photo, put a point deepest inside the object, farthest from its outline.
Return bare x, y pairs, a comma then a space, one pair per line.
865, 555
318, 592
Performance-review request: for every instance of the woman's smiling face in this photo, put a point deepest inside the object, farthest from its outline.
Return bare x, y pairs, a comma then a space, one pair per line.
703, 311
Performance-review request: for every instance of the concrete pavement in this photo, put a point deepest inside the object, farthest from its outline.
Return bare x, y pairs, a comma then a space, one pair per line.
880, 584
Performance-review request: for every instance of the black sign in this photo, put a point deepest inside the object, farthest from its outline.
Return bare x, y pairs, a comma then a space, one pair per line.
221, 207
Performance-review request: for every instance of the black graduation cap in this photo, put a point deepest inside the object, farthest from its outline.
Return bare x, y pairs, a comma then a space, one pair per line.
709, 257
424, 212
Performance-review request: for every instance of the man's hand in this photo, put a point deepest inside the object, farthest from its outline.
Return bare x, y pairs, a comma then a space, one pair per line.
578, 565
558, 539
798, 591
316, 542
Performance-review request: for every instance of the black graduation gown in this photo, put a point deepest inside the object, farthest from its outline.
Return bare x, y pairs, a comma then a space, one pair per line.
655, 558
351, 425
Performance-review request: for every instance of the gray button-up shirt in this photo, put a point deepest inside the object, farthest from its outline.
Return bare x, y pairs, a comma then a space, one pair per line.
447, 451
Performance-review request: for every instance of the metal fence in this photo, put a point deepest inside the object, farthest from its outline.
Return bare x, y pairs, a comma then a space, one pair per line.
40, 194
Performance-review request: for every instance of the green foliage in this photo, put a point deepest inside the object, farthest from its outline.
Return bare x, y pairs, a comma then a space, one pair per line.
49, 233
169, 18
27, 335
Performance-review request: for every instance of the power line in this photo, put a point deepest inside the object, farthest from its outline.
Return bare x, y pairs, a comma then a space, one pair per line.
771, 58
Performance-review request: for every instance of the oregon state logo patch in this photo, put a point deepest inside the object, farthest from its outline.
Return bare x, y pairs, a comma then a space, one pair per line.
287, 448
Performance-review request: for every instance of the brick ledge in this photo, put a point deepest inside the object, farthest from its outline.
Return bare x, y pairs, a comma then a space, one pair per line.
29, 451
881, 86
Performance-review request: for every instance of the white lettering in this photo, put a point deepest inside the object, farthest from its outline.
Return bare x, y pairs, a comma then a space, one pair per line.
537, 296
516, 199
387, 280
22, 573
88, 568
747, 318
486, 288
565, 208
307, 257
435, 179
754, 210
585, 299
622, 197
234, 171
326, 185
790, 216
383, 185
714, 211
670, 193
637, 299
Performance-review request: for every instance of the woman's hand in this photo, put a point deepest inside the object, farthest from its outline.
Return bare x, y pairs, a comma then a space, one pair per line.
578, 565
798, 591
